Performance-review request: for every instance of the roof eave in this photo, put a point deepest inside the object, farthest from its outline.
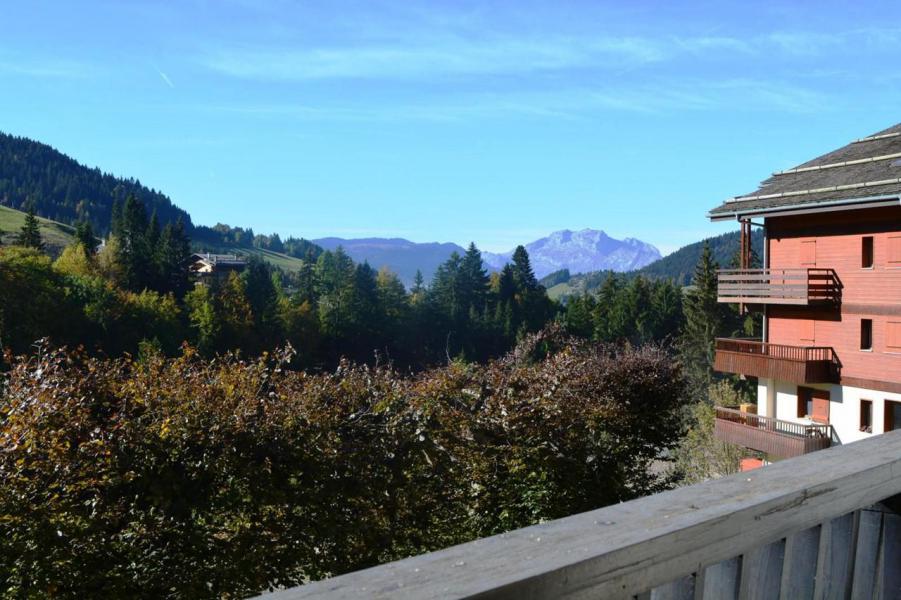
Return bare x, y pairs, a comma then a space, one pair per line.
813, 207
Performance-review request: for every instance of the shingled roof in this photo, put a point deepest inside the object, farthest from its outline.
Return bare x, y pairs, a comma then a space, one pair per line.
866, 171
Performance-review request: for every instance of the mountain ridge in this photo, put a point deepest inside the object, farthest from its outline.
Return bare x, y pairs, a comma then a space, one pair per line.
581, 251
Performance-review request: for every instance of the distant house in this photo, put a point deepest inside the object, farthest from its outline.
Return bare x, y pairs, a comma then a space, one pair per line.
207, 267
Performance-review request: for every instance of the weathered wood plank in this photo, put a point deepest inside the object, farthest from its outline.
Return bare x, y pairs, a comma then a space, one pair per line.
890, 576
626, 549
761, 572
835, 562
799, 568
720, 581
866, 557
680, 589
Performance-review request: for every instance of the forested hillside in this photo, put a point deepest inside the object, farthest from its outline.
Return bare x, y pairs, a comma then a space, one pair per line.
62, 189
680, 265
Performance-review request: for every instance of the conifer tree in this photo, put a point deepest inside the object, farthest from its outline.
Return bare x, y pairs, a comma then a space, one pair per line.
705, 319
84, 235
135, 256
418, 285
152, 236
263, 299
30, 235
173, 250
522, 270
474, 283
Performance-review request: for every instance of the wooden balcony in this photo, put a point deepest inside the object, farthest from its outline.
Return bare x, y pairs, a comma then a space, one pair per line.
798, 364
823, 525
778, 286
780, 439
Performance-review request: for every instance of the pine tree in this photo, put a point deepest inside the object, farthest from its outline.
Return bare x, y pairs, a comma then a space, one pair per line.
30, 235
474, 283
522, 270
173, 250
263, 299
84, 235
418, 286
705, 319
152, 236
135, 256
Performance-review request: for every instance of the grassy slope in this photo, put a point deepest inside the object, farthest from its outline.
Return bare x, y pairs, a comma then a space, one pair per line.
55, 235
283, 261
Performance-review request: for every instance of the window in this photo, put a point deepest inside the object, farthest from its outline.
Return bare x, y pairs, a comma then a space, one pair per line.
866, 252
866, 416
892, 419
866, 334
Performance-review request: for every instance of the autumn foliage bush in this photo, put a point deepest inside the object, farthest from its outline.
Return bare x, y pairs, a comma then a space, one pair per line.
192, 478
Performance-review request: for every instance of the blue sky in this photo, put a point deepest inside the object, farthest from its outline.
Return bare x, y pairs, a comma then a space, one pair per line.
496, 122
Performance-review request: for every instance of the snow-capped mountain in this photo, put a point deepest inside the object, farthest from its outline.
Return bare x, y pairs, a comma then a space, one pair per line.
581, 252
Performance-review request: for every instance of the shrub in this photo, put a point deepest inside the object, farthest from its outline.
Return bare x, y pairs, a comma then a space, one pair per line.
189, 477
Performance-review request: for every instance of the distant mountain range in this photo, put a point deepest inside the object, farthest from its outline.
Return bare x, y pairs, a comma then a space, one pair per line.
678, 266
581, 252
401, 256
578, 251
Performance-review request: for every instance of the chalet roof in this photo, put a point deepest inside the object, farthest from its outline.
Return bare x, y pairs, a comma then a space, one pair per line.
219, 260
868, 170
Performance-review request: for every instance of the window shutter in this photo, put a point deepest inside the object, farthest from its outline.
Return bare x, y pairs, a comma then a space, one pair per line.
806, 333
893, 335
820, 406
809, 253
894, 250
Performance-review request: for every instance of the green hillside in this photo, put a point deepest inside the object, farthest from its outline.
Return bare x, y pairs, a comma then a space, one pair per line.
56, 236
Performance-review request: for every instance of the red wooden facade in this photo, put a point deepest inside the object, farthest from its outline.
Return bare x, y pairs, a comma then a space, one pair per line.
870, 289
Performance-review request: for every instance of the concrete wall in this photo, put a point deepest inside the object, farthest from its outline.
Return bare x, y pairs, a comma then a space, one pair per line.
844, 406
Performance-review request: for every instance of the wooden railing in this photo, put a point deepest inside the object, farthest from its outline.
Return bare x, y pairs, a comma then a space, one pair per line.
817, 526
777, 438
778, 286
798, 364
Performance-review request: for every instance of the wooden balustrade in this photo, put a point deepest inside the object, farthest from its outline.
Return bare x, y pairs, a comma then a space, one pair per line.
798, 364
822, 525
777, 438
778, 286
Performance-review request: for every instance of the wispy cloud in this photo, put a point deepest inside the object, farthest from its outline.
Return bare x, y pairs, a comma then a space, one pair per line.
46, 68
165, 78
445, 57
481, 53
572, 103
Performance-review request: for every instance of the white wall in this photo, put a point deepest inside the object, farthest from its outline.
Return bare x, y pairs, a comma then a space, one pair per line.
844, 406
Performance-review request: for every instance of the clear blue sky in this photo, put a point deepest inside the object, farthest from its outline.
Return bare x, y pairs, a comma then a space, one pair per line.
496, 122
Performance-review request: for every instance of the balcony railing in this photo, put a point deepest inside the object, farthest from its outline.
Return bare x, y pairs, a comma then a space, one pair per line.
778, 286
778, 438
818, 526
797, 364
